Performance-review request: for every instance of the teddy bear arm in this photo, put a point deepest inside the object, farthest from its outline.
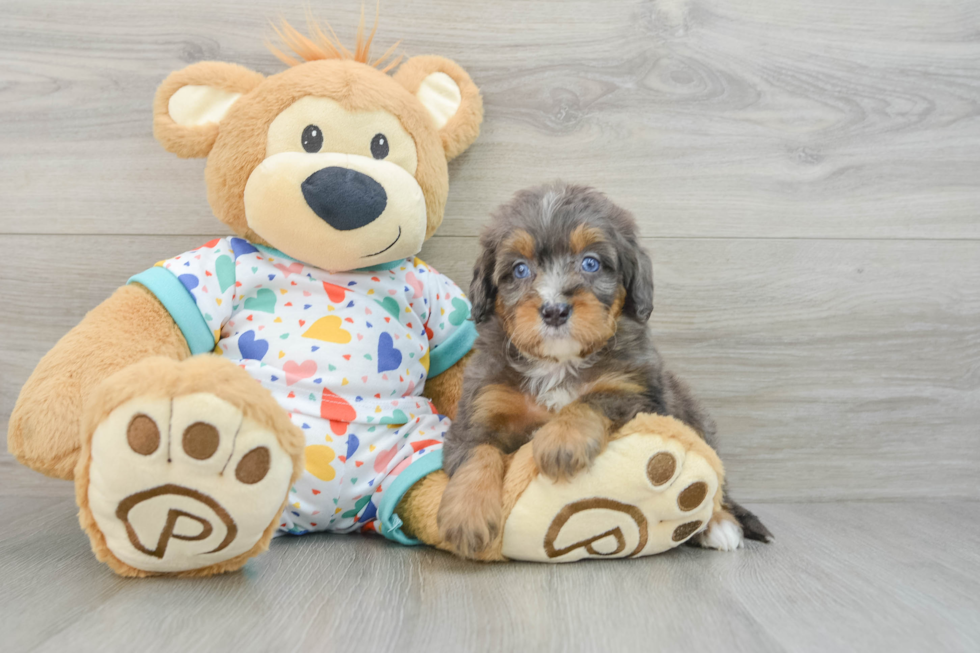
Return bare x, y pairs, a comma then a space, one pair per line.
44, 429
445, 390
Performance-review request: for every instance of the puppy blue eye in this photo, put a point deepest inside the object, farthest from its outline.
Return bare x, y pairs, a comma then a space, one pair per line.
521, 271
590, 264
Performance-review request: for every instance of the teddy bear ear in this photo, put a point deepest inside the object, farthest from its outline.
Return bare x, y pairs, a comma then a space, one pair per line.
449, 95
191, 102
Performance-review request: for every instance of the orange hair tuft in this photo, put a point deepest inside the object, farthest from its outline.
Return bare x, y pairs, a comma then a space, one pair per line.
320, 45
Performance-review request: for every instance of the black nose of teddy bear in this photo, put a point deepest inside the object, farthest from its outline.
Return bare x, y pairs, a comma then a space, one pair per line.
343, 198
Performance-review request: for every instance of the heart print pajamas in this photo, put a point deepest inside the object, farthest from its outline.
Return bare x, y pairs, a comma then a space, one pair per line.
346, 354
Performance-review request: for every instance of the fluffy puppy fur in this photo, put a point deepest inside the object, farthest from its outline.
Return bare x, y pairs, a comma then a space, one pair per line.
561, 296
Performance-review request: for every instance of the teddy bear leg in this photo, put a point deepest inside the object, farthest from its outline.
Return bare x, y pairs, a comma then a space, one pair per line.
656, 486
46, 421
420, 506
184, 467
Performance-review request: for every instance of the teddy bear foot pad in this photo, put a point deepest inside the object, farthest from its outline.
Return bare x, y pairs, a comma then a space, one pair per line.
650, 490
184, 483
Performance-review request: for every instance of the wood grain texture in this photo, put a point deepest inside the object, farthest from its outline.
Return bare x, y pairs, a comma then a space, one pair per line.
807, 175
835, 369
708, 118
847, 577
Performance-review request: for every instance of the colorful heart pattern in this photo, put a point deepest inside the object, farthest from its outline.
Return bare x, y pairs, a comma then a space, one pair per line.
390, 305
384, 458
298, 371
460, 312
334, 292
328, 329
293, 268
252, 347
225, 269
264, 300
389, 358
345, 355
415, 284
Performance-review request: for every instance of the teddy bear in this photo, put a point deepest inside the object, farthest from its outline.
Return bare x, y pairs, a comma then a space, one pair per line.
299, 375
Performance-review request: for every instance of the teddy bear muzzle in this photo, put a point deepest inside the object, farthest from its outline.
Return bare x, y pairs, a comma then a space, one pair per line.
334, 210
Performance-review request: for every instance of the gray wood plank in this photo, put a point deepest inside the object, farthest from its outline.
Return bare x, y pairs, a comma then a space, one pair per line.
844, 577
775, 118
836, 369
808, 177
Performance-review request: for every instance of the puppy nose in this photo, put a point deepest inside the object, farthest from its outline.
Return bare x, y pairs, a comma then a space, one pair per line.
555, 314
343, 198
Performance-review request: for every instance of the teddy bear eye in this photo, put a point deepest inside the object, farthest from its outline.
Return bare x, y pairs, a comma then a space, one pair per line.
379, 146
312, 139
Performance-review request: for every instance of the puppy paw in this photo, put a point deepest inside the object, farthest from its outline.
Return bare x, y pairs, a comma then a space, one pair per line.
569, 444
471, 512
722, 533
468, 524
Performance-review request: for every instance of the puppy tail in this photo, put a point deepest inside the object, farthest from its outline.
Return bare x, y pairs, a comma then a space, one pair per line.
752, 526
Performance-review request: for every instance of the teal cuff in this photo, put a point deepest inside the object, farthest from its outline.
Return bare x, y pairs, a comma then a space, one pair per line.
390, 523
456, 346
179, 302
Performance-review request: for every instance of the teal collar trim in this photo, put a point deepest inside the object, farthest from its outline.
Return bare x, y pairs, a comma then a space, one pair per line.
390, 523
379, 266
275, 253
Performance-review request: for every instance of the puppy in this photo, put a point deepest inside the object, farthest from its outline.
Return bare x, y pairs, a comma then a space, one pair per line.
561, 297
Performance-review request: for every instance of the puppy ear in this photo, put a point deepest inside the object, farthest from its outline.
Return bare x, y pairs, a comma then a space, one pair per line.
191, 102
638, 280
483, 291
450, 97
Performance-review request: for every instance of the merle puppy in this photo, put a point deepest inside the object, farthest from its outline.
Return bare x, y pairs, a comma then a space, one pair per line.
561, 297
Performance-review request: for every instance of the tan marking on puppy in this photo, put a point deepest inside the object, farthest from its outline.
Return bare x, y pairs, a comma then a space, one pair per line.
614, 382
569, 443
505, 408
521, 242
522, 323
583, 236
592, 324
470, 515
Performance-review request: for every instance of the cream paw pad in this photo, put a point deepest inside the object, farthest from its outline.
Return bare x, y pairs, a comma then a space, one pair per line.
654, 487
184, 483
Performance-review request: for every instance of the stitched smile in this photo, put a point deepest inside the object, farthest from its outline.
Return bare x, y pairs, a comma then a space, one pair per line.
388, 247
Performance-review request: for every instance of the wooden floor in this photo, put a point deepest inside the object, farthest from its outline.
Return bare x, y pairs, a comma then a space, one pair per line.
807, 176
867, 576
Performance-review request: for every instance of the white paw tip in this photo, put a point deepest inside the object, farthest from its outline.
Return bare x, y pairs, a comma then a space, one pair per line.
723, 535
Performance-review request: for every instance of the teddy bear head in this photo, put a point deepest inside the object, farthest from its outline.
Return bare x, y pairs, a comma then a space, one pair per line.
333, 161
